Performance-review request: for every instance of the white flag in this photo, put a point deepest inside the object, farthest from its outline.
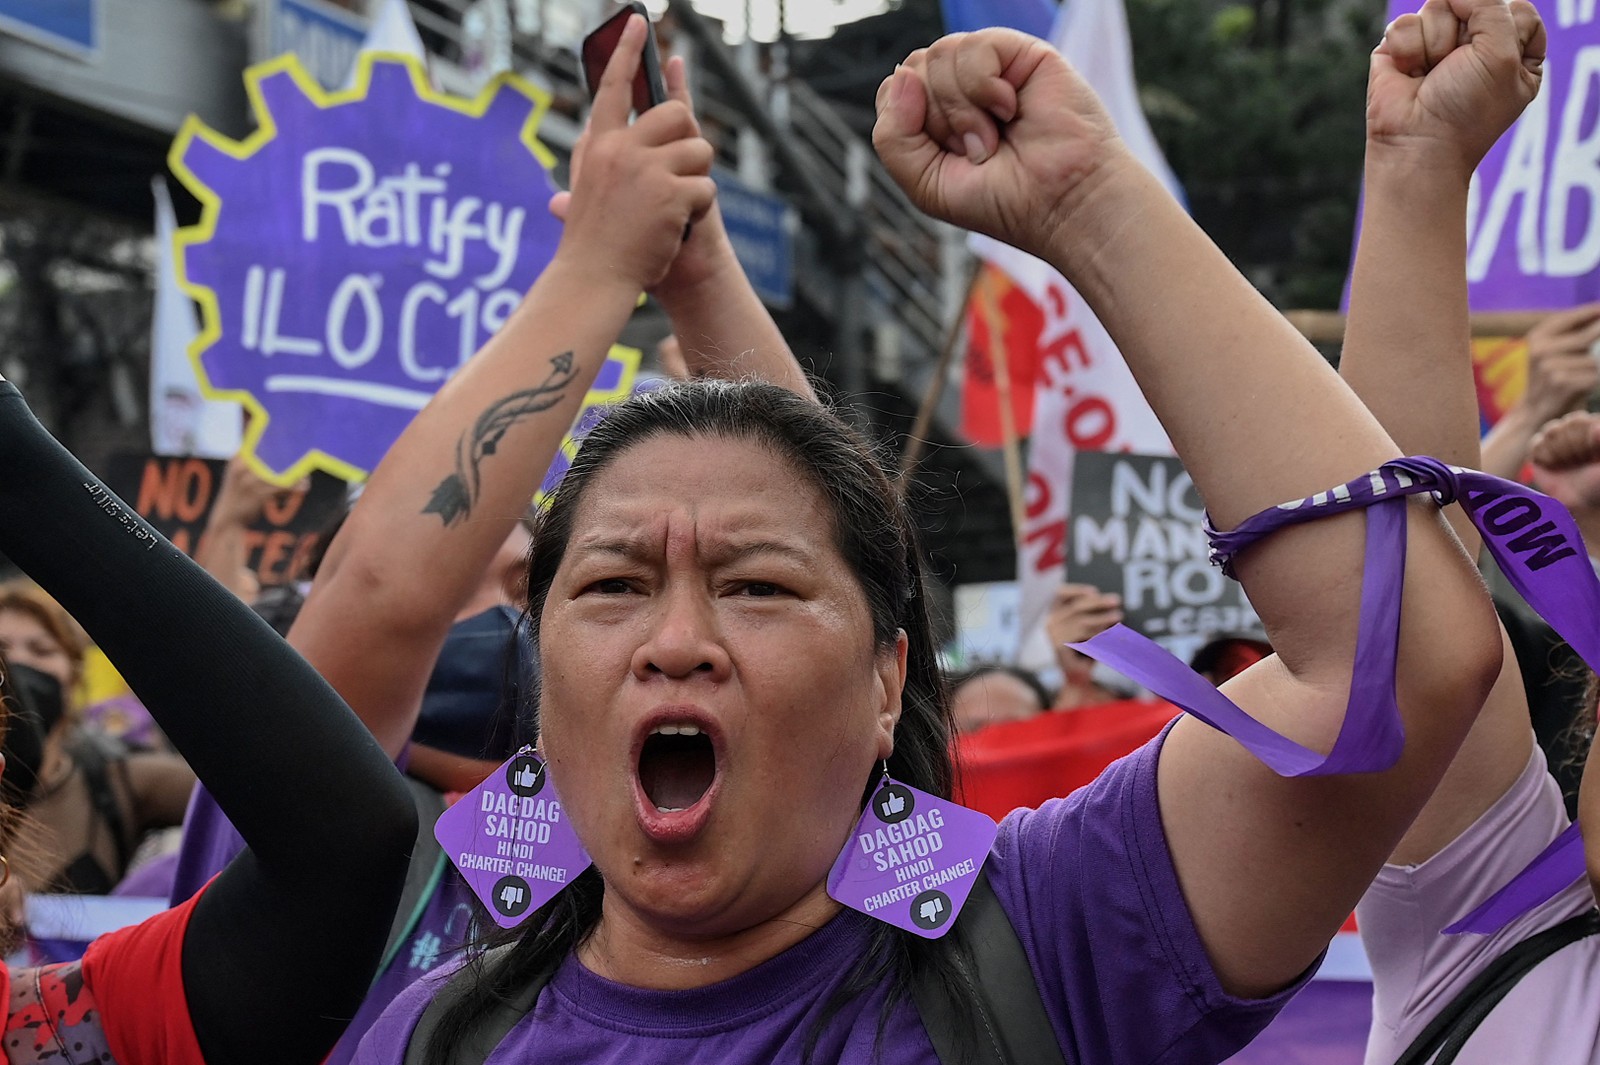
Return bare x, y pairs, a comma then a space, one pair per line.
1085, 399
394, 31
486, 39
182, 420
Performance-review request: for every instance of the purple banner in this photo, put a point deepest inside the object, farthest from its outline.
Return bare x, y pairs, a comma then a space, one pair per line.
356, 250
1534, 214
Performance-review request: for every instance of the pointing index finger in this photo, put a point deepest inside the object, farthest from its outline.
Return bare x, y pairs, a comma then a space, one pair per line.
613, 102
676, 75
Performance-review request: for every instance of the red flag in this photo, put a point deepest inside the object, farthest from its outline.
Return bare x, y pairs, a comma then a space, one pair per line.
999, 313
1024, 763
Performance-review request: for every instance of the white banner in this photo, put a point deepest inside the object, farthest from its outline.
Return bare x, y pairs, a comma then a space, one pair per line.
182, 421
1085, 399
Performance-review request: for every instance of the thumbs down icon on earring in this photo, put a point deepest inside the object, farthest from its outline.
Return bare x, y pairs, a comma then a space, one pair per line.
510, 895
931, 909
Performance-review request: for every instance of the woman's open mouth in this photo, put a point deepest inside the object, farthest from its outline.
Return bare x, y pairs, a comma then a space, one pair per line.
676, 778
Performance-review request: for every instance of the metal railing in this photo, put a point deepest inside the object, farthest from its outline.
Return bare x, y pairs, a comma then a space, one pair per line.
905, 253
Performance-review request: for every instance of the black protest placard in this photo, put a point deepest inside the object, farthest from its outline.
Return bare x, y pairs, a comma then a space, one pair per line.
176, 496
1136, 531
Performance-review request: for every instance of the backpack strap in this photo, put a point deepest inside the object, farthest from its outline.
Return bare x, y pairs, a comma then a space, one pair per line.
1449, 1031
427, 868
1013, 1027
476, 1047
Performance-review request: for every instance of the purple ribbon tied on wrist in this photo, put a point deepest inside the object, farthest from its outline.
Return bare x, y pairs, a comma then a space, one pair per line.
1536, 544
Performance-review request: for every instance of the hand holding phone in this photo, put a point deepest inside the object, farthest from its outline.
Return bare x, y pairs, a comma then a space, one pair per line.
633, 178
649, 88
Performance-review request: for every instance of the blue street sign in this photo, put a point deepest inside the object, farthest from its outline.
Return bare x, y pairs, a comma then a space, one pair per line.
71, 26
761, 229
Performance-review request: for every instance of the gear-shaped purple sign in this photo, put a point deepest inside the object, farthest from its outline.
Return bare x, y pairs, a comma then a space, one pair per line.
356, 250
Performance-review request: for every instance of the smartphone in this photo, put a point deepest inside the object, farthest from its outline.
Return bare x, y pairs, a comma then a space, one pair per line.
649, 88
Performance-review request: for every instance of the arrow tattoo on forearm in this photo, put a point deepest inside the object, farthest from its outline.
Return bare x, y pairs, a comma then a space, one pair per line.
453, 499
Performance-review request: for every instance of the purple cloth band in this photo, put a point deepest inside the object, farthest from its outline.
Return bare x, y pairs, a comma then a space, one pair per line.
1556, 869
1537, 546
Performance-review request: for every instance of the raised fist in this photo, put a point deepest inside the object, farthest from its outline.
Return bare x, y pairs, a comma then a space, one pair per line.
635, 188
1447, 81
1563, 363
994, 132
1567, 444
244, 495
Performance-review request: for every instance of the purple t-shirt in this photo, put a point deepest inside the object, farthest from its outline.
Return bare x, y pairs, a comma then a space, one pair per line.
210, 842
1089, 886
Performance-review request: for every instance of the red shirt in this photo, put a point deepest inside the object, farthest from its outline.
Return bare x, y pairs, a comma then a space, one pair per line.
125, 999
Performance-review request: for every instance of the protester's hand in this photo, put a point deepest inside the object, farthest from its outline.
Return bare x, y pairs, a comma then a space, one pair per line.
707, 247
707, 251
1563, 366
1567, 443
1081, 612
244, 495
1448, 80
634, 187
994, 132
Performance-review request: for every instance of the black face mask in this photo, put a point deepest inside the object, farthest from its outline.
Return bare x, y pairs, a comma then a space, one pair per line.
34, 705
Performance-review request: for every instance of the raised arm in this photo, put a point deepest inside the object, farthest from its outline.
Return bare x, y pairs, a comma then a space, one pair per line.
454, 485
723, 328
328, 822
1436, 101
1269, 866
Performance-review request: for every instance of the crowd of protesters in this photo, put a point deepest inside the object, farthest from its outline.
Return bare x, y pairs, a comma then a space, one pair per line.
717, 641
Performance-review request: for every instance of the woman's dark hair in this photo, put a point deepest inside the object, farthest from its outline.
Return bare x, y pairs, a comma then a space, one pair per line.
876, 538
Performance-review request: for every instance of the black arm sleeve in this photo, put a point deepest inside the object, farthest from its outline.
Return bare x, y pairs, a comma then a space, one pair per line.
282, 947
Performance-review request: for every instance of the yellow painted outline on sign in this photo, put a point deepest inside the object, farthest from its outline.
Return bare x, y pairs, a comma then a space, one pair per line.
267, 129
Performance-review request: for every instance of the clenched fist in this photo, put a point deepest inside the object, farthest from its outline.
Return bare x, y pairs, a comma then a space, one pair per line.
993, 131
1566, 444
1447, 81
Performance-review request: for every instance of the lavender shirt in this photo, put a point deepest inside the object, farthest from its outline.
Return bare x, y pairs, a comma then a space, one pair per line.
1552, 1016
1089, 885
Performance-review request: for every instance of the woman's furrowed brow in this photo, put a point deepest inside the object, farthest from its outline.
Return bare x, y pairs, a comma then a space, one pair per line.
626, 547
717, 553
732, 552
